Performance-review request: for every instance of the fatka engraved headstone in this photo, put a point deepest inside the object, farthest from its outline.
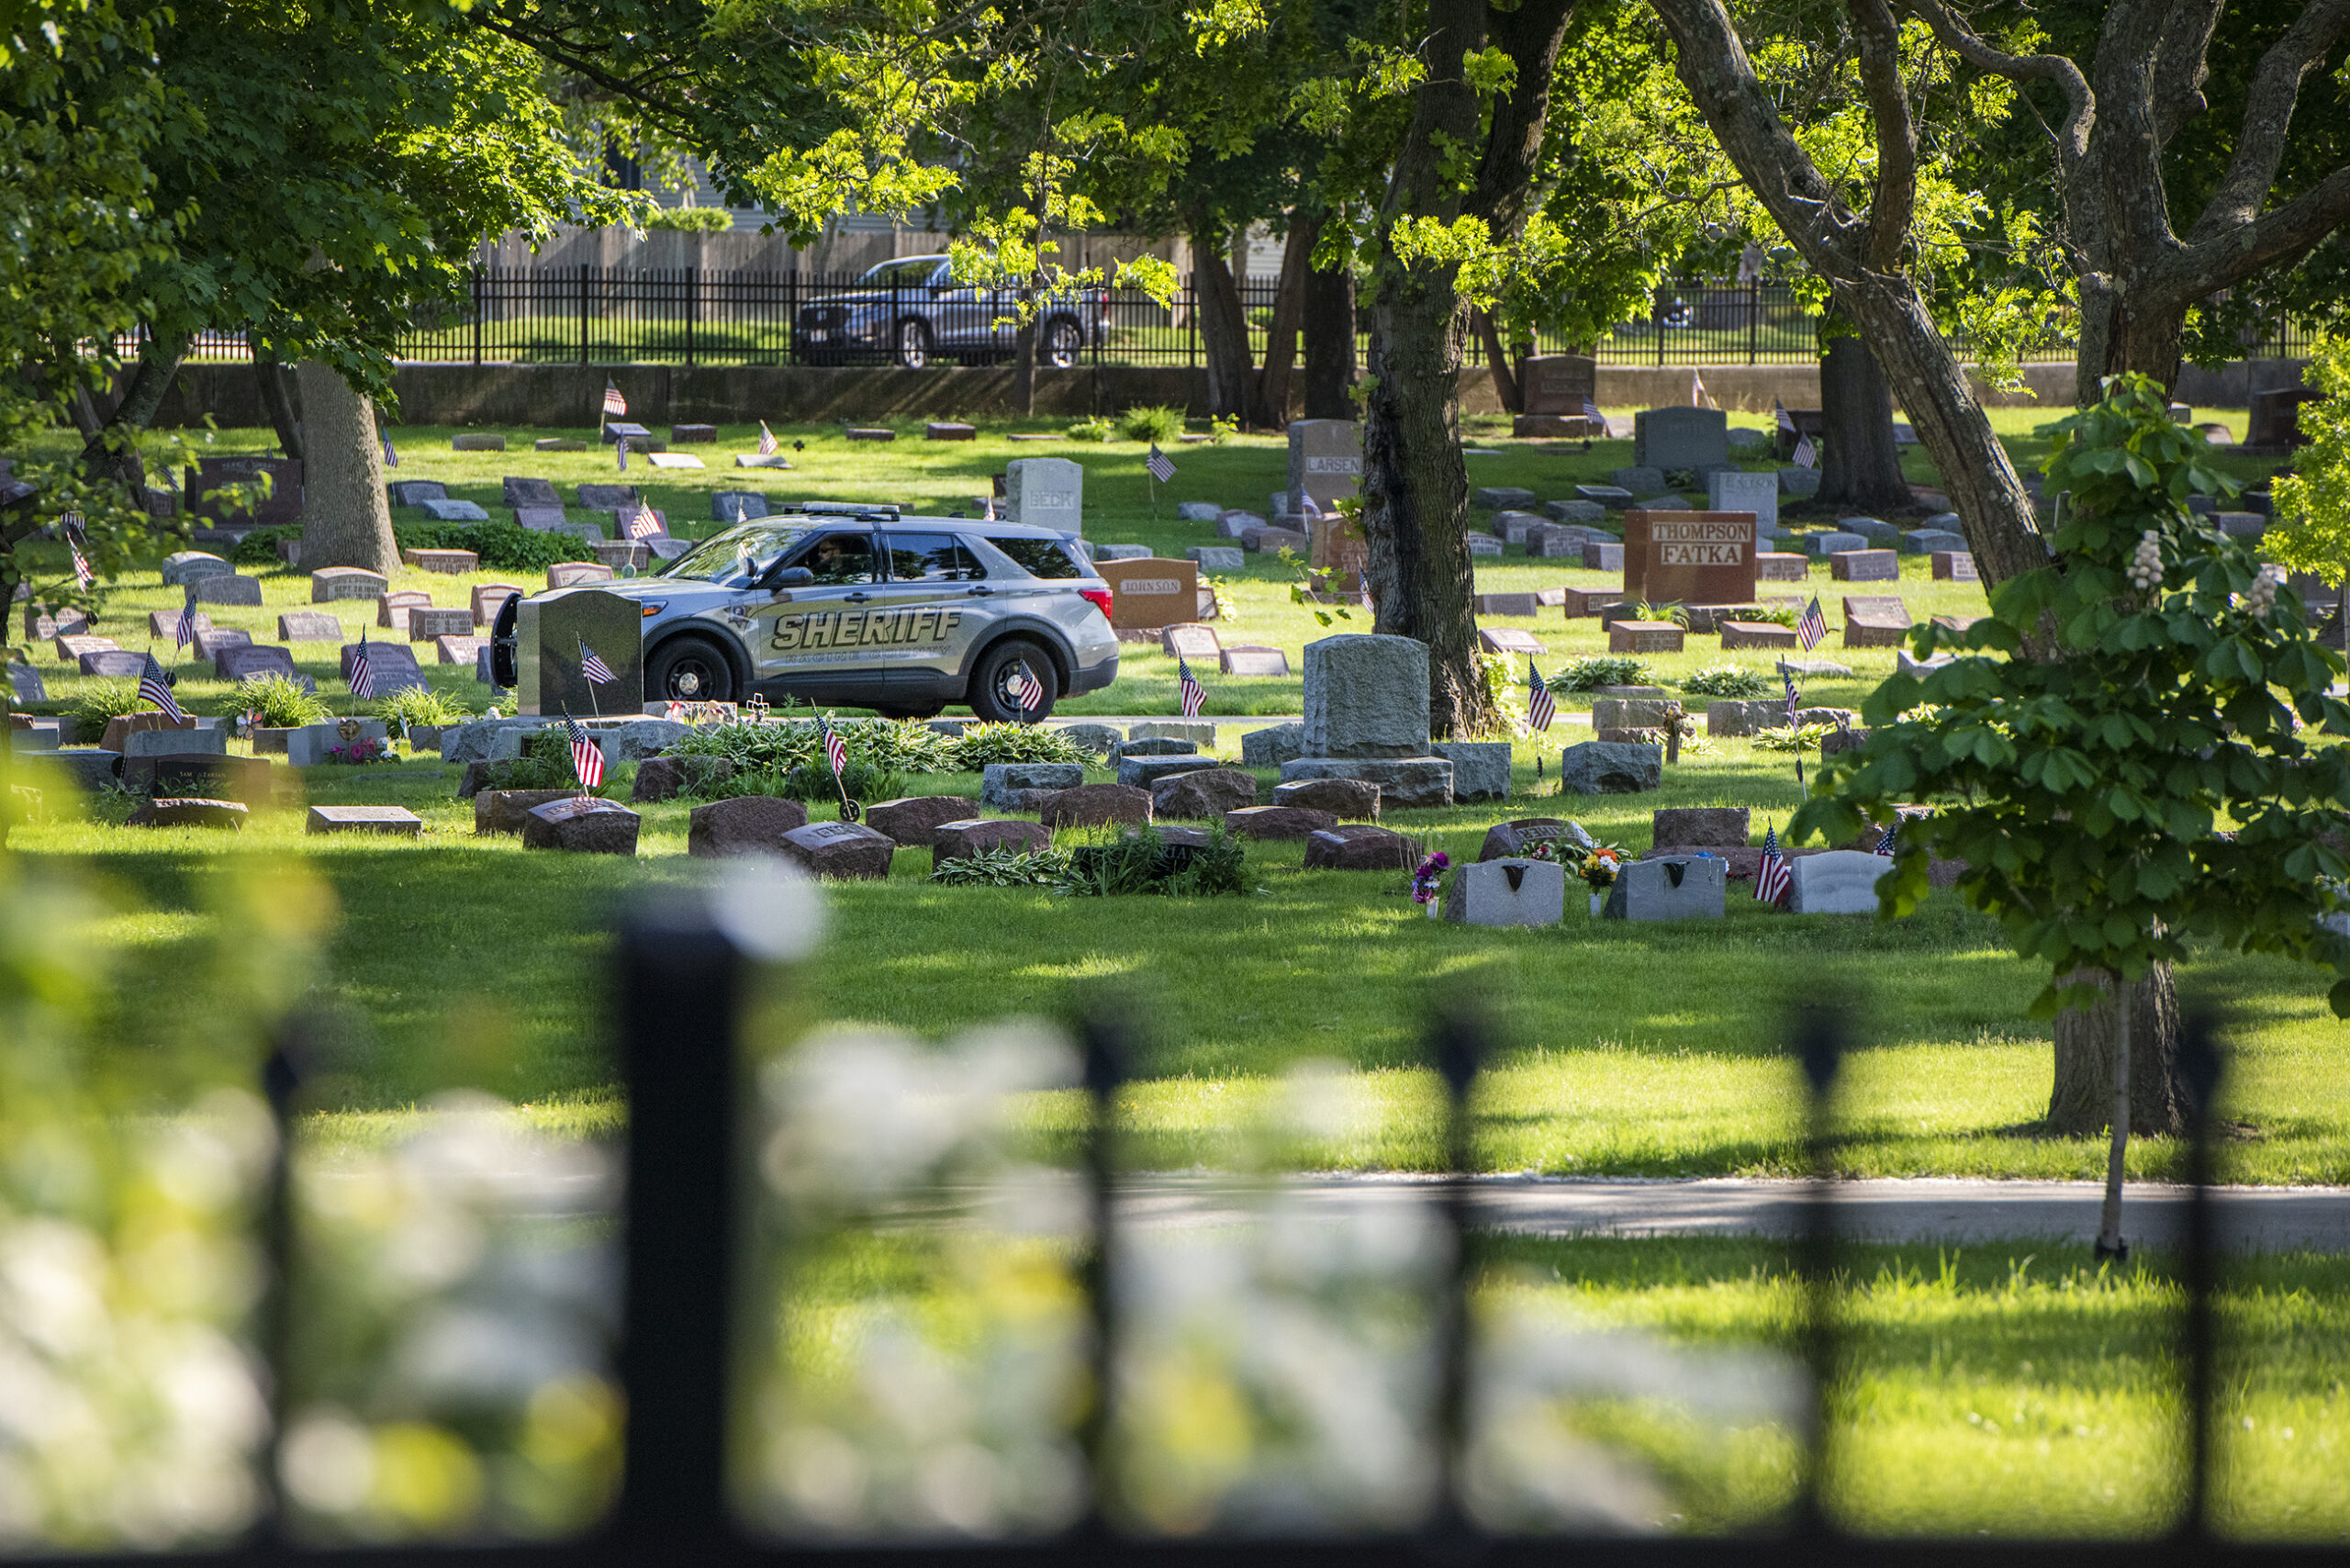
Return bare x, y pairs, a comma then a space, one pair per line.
1045, 492
1324, 462
1689, 557
549, 632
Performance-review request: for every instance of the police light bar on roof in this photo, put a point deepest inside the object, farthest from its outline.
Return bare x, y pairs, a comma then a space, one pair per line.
844, 508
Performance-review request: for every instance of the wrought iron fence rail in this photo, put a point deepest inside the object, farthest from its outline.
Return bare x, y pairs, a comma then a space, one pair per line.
681, 992
693, 317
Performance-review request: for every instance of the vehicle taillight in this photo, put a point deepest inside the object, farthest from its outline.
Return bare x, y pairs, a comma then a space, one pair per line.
1099, 597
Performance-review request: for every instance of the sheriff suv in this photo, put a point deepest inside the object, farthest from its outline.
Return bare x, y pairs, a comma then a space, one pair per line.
912, 310
902, 615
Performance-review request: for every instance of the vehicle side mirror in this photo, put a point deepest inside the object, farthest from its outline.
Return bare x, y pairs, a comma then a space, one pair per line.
792, 577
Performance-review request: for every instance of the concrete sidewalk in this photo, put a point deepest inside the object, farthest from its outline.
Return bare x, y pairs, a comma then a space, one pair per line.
2266, 1219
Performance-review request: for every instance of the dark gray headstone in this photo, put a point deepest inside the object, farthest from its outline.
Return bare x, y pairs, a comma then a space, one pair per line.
261, 658
607, 498
455, 511
736, 506
229, 588
540, 520
25, 684
309, 626
549, 634
112, 662
522, 491
416, 492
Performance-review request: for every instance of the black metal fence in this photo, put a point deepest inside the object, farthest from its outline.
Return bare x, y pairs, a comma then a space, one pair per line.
682, 991
609, 316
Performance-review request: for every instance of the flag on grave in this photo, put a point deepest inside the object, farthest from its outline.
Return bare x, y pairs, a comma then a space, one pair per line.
835, 748
1805, 454
766, 439
1787, 421
1811, 629
1774, 876
391, 452
643, 525
1884, 845
1188, 685
1788, 677
1541, 708
186, 631
1160, 468
620, 446
614, 403
1591, 412
593, 670
153, 688
70, 524
362, 673
586, 756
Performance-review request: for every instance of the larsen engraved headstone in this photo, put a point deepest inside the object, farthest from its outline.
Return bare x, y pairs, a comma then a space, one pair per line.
1731, 489
1689, 557
1045, 492
548, 634
1324, 462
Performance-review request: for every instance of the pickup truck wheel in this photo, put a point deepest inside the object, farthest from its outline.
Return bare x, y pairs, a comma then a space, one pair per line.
1064, 342
689, 670
913, 344
995, 694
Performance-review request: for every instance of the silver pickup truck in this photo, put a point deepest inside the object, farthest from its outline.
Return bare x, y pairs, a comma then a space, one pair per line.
912, 310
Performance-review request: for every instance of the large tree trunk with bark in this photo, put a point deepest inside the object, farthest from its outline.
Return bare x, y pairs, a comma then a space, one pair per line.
275, 398
1274, 381
2081, 1104
346, 516
1224, 328
1861, 468
1330, 363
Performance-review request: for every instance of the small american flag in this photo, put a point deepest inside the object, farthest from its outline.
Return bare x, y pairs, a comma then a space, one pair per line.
1188, 684
1811, 629
1591, 412
1541, 708
185, 632
596, 671
391, 452
71, 523
1027, 691
620, 446
1698, 396
1884, 845
1805, 454
1160, 469
1774, 876
643, 525
766, 439
614, 402
586, 756
153, 688
362, 673
1794, 702
1787, 421
835, 748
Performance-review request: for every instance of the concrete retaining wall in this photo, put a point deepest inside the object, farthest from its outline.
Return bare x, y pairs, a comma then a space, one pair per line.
567, 395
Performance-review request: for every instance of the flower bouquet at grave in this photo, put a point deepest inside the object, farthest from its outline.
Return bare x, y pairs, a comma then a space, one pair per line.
1601, 864
1428, 880
363, 749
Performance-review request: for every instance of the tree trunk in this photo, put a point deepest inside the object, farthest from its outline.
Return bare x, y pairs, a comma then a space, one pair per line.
1505, 387
1330, 343
275, 398
1224, 328
1024, 370
1289, 308
2081, 1103
112, 453
346, 516
1860, 466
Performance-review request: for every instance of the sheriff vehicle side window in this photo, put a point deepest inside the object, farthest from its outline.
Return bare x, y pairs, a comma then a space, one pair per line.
1039, 558
931, 557
840, 559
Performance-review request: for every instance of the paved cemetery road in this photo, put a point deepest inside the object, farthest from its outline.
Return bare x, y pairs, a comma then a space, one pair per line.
1926, 1209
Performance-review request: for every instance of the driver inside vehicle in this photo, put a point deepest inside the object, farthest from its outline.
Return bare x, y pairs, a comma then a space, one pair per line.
841, 558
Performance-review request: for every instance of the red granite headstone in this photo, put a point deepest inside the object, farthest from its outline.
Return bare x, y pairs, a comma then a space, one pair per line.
1689, 557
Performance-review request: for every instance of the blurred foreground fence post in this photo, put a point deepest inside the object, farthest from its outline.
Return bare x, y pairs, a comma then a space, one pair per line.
2199, 1066
1820, 1046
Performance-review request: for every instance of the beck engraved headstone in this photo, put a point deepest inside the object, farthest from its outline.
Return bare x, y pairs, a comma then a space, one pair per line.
1689, 557
548, 633
1324, 462
1148, 594
1045, 492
